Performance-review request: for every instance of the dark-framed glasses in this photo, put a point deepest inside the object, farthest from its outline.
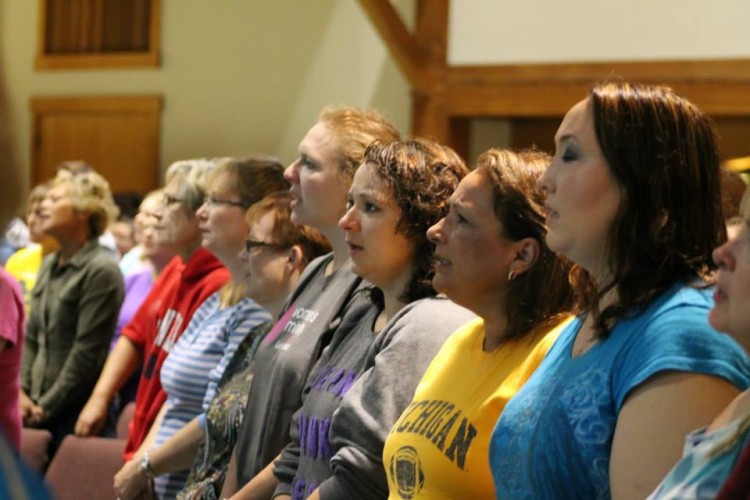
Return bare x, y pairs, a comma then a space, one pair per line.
250, 244
213, 201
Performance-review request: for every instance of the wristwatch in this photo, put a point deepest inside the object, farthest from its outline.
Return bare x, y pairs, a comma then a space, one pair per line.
146, 466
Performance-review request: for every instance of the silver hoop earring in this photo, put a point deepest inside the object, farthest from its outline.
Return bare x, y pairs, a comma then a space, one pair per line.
511, 276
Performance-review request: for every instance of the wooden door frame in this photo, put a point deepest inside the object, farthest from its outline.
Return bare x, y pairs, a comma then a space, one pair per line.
445, 97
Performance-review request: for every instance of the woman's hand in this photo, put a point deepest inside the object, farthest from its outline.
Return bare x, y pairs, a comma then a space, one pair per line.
30, 413
130, 481
92, 418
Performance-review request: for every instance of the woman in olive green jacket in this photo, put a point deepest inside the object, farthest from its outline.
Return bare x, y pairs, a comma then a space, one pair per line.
74, 303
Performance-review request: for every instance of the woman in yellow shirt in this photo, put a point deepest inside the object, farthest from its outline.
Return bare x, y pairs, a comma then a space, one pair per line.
24, 265
491, 258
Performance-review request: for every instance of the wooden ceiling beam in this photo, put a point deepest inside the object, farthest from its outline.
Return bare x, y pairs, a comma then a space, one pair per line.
401, 43
553, 99
431, 31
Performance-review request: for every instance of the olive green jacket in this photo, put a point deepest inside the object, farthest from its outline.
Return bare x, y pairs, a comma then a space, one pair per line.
74, 311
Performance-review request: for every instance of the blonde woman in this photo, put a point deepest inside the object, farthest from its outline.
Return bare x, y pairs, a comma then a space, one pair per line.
74, 305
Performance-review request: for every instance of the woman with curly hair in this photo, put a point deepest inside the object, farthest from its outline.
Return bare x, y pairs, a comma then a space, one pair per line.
633, 199
367, 375
490, 257
74, 305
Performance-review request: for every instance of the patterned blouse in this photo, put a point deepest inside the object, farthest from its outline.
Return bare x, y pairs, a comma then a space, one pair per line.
223, 420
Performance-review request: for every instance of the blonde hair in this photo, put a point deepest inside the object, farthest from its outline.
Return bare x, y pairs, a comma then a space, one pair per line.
89, 192
353, 129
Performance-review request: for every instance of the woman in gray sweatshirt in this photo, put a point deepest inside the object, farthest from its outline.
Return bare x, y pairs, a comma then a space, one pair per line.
367, 375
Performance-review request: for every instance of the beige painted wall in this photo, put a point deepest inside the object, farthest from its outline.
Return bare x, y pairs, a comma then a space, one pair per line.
238, 76
242, 76
526, 31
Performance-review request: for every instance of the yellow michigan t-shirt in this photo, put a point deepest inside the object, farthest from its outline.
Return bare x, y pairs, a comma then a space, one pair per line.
439, 447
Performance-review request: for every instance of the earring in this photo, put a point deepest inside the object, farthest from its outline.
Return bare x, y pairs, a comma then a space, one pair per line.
511, 276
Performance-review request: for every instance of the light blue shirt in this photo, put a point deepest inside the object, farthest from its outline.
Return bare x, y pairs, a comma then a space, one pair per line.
554, 438
193, 369
707, 461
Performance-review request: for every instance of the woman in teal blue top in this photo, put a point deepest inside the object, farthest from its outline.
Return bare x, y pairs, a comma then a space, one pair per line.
633, 199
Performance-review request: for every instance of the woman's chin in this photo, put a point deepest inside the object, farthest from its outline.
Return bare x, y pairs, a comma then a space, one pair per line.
716, 319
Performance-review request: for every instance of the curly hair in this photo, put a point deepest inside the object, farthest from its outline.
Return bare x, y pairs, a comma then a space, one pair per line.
353, 129
284, 233
89, 193
663, 154
421, 176
539, 298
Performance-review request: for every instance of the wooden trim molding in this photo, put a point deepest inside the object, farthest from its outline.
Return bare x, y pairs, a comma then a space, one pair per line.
650, 71
97, 104
550, 99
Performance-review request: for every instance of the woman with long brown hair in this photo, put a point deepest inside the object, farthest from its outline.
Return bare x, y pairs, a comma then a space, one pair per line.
633, 199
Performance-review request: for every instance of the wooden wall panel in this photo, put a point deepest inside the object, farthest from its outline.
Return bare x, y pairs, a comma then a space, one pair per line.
119, 136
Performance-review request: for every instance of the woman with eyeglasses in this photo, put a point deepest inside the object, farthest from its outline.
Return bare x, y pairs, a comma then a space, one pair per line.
186, 282
197, 360
276, 252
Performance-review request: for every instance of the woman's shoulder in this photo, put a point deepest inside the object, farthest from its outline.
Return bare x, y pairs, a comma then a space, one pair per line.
435, 318
679, 299
433, 310
680, 312
96, 254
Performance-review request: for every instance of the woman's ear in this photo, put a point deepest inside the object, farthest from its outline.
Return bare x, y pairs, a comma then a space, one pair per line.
296, 260
527, 252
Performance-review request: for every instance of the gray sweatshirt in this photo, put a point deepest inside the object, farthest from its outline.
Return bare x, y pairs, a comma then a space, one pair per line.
351, 463
284, 360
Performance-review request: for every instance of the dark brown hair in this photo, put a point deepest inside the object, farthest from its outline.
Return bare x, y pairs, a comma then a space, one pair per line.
662, 151
421, 176
285, 234
542, 296
254, 177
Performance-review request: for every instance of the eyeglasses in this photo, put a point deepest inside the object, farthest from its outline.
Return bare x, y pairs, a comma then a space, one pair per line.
170, 200
213, 201
250, 244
